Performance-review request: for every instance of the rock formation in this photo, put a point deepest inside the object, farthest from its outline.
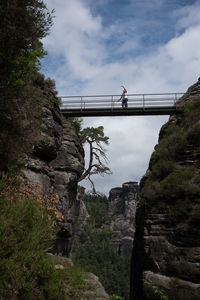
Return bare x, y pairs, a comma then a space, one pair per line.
92, 289
55, 165
122, 209
166, 254
96, 290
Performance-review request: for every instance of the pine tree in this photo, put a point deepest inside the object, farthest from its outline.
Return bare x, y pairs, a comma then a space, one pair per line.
95, 137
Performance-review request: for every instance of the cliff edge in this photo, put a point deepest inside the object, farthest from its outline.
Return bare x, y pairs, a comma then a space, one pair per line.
54, 166
166, 254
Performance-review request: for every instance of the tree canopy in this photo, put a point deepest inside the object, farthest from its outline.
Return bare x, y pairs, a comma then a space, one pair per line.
95, 252
23, 23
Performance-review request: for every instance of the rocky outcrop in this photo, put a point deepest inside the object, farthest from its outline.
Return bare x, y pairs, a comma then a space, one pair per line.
166, 254
96, 290
122, 209
191, 94
91, 288
172, 261
172, 286
55, 165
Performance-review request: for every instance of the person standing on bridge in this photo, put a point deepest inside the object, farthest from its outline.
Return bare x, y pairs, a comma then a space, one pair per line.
124, 98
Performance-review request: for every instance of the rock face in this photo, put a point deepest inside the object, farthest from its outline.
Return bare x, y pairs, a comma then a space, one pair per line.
192, 93
173, 262
122, 209
166, 254
96, 290
55, 165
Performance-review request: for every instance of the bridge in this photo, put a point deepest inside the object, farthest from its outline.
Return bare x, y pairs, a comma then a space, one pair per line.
110, 105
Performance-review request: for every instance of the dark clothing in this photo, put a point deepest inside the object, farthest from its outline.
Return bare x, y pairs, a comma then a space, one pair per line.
124, 98
125, 103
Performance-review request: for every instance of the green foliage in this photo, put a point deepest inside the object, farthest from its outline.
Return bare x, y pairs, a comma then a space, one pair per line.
193, 136
23, 24
162, 168
94, 251
21, 119
97, 207
98, 161
74, 279
77, 123
158, 292
173, 184
189, 113
25, 270
95, 135
171, 147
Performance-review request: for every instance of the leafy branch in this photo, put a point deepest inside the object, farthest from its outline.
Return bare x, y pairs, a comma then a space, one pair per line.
156, 290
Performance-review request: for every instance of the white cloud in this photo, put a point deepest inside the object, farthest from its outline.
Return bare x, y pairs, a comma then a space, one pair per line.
81, 39
185, 48
188, 16
75, 35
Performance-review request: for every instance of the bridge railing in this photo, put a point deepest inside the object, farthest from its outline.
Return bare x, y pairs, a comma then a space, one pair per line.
113, 102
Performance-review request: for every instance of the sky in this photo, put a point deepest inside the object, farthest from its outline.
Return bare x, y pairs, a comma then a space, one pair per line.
149, 46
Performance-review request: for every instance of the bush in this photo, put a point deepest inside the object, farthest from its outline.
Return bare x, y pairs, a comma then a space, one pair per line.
157, 292
173, 183
193, 136
26, 235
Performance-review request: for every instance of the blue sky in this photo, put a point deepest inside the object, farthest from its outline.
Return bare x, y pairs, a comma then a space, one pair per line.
147, 45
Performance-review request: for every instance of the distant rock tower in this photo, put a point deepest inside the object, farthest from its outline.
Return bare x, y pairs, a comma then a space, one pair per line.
122, 210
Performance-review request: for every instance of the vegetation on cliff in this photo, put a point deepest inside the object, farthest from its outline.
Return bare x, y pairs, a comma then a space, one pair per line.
26, 272
94, 251
23, 23
173, 182
95, 139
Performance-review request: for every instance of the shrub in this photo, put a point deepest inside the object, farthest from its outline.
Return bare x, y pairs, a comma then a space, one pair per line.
26, 235
190, 111
157, 292
162, 168
173, 183
193, 136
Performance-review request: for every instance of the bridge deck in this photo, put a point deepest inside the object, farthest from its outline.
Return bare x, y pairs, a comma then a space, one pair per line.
109, 105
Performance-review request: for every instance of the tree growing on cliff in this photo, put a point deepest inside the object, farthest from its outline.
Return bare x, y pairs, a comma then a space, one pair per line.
97, 164
23, 23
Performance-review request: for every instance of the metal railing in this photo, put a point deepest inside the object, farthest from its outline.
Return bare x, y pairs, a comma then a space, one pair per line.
112, 102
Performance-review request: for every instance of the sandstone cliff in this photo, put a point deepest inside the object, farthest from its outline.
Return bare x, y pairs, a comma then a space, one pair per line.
55, 165
166, 255
122, 210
